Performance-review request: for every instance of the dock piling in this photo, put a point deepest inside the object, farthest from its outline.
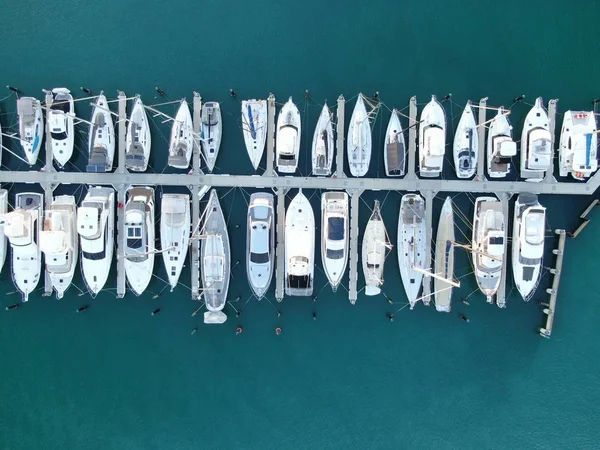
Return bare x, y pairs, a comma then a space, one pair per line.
412, 138
269, 172
550, 310
481, 132
501, 294
429, 233
195, 190
353, 251
340, 150
280, 250
552, 106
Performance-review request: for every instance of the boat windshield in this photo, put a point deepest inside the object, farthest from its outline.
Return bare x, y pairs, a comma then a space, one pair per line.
335, 228
534, 228
61, 136
60, 105
259, 258
334, 254
134, 237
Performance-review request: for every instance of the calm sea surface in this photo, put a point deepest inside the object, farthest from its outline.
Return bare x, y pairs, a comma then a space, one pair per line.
117, 378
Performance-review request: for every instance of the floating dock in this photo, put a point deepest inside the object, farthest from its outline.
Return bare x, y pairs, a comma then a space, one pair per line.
550, 309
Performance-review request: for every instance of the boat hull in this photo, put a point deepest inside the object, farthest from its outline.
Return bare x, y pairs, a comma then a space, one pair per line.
287, 143
359, 142
394, 155
466, 144
444, 258
260, 242
412, 235
374, 251
174, 234
322, 144
254, 128
299, 247
334, 238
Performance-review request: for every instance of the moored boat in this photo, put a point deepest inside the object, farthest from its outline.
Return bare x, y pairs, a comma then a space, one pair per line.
432, 139
138, 140
394, 150
578, 146
260, 242
211, 132
334, 238
375, 245
174, 234
287, 142
536, 143
412, 246
444, 258
60, 118
500, 145
466, 144
254, 128
299, 247
31, 127
181, 143
101, 139
359, 140
322, 144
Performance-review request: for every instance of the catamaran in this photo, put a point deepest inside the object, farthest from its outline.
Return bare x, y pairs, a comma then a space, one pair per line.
299, 247
578, 147
412, 245
394, 147
95, 226
260, 242
334, 239
174, 233
466, 144
3, 211
374, 247
101, 141
359, 140
500, 145
444, 258
211, 131
182, 138
61, 125
254, 128
138, 141
488, 244
529, 230
536, 143
58, 242
31, 127
322, 144
216, 261
432, 139
22, 227
287, 142
139, 233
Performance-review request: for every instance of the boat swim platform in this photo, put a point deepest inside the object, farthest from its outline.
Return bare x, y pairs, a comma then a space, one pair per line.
550, 309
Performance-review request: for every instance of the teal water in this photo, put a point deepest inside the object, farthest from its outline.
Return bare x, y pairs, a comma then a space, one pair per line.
117, 378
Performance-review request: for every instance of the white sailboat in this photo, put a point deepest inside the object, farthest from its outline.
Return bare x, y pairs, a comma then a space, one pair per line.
254, 128
3, 211
139, 234
182, 138
500, 145
466, 144
215, 255
412, 245
529, 230
211, 131
359, 140
322, 144
138, 141
394, 147
444, 258
101, 140
58, 242
578, 147
287, 142
174, 233
299, 247
22, 227
61, 125
536, 143
432, 139
334, 238
95, 226
31, 127
374, 248
260, 242
488, 244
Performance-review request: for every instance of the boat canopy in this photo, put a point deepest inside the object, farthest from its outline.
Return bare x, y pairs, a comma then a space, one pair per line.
434, 137
88, 220
26, 109
53, 242
286, 139
174, 209
540, 149
504, 147
298, 266
17, 227
493, 249
533, 230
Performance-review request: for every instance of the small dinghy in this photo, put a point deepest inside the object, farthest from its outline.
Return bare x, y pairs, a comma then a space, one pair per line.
138, 141
394, 147
322, 145
181, 144
287, 142
254, 127
101, 140
211, 131
359, 140
466, 144
374, 249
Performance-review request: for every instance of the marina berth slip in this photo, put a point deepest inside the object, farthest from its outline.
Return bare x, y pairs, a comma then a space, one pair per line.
489, 240
500, 145
299, 247
254, 128
432, 139
536, 143
443, 281
60, 117
529, 231
215, 255
287, 141
394, 147
3, 241
181, 143
22, 227
359, 140
138, 140
211, 131
139, 233
322, 144
101, 139
578, 145
31, 127
59, 243
95, 226
412, 246
175, 224
466, 144
334, 238
260, 242
375, 246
